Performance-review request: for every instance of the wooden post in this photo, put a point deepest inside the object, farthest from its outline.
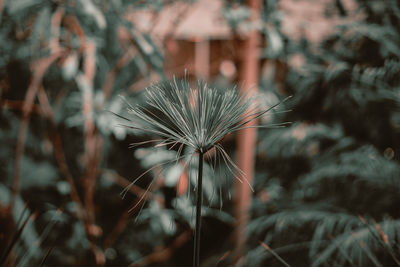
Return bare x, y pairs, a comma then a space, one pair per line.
246, 139
202, 59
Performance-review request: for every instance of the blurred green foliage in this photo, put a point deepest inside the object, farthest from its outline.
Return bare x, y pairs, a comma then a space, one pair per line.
326, 188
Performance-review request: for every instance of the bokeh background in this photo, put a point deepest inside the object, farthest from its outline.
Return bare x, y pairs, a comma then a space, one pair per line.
326, 187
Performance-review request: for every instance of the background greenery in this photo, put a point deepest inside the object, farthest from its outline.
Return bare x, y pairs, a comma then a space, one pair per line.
326, 188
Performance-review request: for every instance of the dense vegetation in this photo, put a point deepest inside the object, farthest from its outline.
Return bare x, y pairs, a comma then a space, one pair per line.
326, 188
333, 178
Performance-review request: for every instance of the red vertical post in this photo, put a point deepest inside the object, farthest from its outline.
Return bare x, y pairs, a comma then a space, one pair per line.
246, 139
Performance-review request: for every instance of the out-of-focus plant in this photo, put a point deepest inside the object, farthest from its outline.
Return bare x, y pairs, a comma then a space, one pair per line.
198, 118
327, 187
61, 64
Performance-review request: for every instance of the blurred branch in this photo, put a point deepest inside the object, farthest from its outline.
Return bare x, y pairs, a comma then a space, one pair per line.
59, 151
60, 158
124, 218
163, 253
111, 75
49, 250
1, 9
85, 83
134, 189
93, 145
55, 28
72, 23
117, 230
16, 237
39, 68
276, 255
18, 105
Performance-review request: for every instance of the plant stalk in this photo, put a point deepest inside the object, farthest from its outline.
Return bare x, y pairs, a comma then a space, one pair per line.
196, 251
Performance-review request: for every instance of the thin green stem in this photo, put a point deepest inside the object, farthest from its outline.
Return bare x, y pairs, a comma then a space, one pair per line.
196, 252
